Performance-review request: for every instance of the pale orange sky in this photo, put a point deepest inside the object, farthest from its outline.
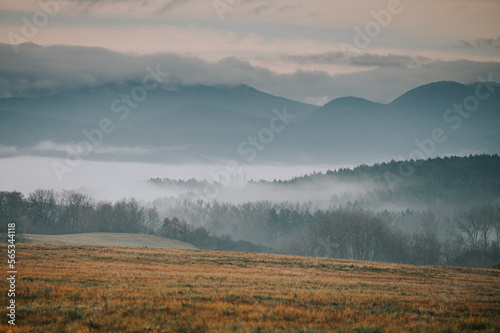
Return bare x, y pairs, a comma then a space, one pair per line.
431, 28
282, 36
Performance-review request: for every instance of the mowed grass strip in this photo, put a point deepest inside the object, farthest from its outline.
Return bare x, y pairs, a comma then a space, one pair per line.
71, 288
110, 239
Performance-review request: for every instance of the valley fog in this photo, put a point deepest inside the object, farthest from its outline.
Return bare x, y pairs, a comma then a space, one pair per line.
421, 207
112, 181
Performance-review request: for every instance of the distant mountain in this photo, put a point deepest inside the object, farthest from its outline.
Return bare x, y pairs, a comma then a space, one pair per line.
92, 104
193, 123
351, 111
20, 129
241, 98
434, 96
356, 127
350, 103
345, 128
182, 123
347, 110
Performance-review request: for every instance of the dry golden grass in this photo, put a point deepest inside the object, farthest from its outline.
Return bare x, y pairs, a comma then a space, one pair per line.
111, 239
68, 288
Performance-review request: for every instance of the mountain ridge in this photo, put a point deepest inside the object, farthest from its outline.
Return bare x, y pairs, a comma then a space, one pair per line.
217, 120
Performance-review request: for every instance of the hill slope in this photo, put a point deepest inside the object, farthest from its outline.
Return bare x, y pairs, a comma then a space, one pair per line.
111, 239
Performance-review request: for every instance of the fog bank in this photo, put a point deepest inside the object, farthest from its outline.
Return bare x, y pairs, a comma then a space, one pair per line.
116, 180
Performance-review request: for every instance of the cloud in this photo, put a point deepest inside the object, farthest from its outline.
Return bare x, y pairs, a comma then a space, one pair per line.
8, 150
39, 70
127, 7
480, 43
50, 148
258, 10
191, 8
172, 4
364, 59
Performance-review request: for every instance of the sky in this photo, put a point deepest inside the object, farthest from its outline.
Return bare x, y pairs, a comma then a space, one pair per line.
312, 51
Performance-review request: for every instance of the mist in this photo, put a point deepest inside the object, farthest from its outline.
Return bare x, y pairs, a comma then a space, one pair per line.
303, 210
116, 180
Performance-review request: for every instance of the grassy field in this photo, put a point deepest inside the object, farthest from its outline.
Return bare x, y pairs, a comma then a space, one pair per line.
111, 239
69, 288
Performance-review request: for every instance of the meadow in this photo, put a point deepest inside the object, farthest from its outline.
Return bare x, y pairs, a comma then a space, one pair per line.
110, 239
83, 288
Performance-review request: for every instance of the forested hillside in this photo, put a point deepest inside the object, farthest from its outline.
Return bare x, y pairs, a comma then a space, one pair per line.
473, 179
449, 180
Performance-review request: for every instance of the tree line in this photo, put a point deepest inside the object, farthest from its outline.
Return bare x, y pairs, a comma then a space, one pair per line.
49, 212
441, 235
437, 235
430, 237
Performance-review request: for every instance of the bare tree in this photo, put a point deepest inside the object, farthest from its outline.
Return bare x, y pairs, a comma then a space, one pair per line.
486, 221
103, 217
425, 249
129, 216
12, 209
77, 212
427, 222
43, 209
469, 224
496, 222
152, 220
